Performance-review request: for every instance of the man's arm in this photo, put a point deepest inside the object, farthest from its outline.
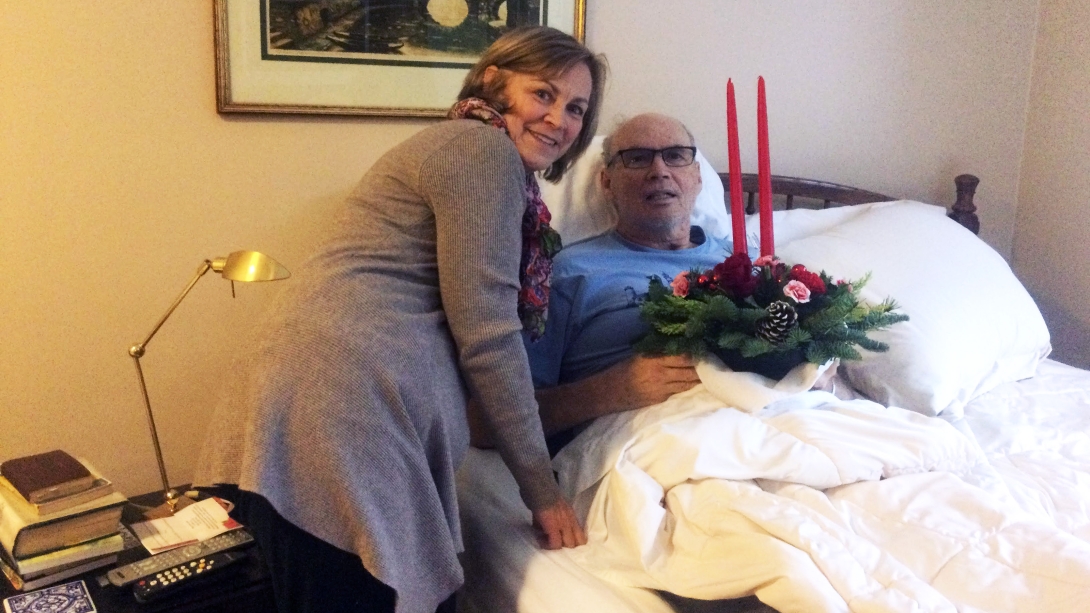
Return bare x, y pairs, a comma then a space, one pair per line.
634, 383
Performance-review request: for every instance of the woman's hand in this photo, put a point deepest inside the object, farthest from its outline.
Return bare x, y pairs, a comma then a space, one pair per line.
558, 527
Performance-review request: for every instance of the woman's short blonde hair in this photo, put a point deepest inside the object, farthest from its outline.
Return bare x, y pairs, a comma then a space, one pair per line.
545, 52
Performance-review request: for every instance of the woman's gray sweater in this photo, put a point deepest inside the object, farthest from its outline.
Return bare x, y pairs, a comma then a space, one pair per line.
349, 415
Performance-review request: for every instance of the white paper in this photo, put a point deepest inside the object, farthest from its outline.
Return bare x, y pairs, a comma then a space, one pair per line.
194, 523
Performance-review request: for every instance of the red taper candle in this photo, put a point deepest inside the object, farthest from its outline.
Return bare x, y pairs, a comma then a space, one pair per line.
764, 172
737, 212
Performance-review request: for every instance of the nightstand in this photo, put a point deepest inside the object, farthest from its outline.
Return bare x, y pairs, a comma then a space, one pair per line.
244, 588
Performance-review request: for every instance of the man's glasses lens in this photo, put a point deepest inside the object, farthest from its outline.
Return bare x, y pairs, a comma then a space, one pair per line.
671, 156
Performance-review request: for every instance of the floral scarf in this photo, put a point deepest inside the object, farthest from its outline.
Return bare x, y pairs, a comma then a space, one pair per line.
540, 243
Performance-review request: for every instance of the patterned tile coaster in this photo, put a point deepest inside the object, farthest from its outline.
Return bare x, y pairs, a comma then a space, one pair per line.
65, 598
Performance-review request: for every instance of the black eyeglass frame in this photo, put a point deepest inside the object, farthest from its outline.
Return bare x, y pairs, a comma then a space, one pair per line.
654, 152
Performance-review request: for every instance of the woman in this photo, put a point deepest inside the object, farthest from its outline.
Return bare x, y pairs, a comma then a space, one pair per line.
344, 434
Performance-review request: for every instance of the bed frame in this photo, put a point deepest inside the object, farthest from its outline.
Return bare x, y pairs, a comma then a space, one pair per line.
835, 194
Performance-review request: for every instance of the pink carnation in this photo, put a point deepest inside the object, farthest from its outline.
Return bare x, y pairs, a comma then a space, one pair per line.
798, 291
681, 284
765, 260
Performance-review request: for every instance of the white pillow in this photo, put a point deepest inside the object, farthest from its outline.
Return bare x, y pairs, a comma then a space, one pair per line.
973, 326
580, 209
799, 223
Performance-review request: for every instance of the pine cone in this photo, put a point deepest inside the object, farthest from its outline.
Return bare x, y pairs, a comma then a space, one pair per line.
781, 318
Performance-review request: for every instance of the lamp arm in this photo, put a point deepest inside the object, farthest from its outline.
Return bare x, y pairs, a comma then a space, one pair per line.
169, 493
137, 352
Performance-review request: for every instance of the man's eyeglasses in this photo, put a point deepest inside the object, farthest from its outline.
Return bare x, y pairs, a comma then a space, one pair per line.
643, 158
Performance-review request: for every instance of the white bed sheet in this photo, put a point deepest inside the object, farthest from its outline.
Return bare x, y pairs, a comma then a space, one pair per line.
505, 568
506, 571
1035, 432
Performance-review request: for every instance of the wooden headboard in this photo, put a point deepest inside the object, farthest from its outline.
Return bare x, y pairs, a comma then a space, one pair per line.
835, 194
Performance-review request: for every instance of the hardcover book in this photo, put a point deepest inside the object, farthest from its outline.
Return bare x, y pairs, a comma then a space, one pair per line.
46, 476
24, 533
48, 563
23, 584
99, 487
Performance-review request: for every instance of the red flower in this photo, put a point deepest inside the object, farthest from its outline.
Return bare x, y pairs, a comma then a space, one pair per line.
735, 276
681, 284
811, 280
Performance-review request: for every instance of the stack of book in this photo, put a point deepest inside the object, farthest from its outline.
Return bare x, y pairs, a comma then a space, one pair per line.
58, 518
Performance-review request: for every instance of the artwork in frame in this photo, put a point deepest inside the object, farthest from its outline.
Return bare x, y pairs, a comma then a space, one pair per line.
363, 57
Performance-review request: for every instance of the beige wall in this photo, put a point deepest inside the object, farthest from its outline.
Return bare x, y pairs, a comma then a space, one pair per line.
1052, 239
118, 177
900, 97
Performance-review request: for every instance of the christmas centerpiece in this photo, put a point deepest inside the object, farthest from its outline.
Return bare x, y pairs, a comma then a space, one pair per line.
762, 316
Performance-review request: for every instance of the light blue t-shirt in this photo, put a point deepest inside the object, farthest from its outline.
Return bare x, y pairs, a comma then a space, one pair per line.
594, 304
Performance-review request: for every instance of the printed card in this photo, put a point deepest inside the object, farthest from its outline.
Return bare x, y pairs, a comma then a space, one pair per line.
65, 598
197, 522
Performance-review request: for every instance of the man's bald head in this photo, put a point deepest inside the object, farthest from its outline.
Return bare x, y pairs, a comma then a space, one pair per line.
654, 200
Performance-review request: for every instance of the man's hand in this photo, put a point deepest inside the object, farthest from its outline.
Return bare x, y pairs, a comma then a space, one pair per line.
632, 384
643, 381
558, 526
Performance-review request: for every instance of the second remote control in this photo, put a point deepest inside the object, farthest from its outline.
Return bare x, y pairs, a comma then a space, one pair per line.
188, 573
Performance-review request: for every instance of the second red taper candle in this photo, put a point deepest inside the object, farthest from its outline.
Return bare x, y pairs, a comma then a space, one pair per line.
764, 172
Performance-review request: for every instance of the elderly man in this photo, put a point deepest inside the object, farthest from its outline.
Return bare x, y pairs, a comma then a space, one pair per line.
584, 366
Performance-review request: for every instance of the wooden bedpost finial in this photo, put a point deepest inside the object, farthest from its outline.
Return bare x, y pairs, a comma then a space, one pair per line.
964, 211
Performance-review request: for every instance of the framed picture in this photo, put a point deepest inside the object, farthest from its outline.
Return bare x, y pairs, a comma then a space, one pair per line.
363, 57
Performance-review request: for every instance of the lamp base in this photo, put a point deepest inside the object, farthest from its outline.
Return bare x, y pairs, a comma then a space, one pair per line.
174, 503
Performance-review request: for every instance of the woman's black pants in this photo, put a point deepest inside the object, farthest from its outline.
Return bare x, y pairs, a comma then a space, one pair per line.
309, 575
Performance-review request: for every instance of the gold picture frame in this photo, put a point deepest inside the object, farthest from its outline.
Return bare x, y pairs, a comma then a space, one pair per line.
357, 57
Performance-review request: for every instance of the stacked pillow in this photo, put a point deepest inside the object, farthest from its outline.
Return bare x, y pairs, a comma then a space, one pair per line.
973, 325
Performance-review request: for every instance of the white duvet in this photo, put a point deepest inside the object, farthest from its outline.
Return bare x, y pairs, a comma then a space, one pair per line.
813, 504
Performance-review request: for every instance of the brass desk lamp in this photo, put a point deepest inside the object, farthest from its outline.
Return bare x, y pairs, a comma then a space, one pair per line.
239, 266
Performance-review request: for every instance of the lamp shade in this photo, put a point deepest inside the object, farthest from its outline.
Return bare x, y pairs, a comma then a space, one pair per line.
249, 266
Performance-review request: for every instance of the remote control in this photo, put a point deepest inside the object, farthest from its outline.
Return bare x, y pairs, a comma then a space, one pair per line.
124, 575
187, 573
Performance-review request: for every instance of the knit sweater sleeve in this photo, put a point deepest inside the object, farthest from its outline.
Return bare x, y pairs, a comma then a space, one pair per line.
475, 185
